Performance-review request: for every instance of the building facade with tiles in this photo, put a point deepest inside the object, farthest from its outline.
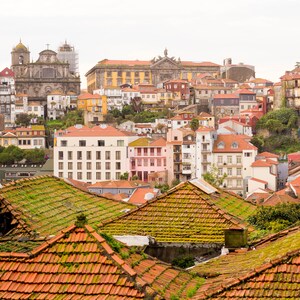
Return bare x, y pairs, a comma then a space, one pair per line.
117, 72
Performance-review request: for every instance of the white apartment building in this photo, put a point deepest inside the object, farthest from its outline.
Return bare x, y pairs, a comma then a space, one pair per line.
92, 154
233, 155
57, 103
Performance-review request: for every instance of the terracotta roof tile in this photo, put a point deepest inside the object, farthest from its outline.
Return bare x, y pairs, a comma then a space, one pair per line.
185, 214
65, 268
45, 205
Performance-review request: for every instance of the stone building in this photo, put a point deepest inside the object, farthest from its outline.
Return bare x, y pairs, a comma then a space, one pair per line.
238, 72
38, 79
117, 72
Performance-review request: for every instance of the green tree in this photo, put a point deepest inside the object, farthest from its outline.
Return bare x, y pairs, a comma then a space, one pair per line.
6, 158
35, 156
23, 119
213, 176
124, 176
194, 124
16, 152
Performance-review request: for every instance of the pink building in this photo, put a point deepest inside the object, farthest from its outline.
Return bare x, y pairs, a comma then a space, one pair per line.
148, 160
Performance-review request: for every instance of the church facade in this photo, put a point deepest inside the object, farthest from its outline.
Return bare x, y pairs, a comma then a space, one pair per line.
38, 79
159, 69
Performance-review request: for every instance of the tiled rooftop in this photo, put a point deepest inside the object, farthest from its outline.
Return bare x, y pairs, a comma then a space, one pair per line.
45, 205
185, 214
234, 268
76, 264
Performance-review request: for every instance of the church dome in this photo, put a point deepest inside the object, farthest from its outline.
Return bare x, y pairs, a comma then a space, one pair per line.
20, 47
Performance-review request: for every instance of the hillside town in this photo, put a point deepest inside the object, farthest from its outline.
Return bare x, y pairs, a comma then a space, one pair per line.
164, 178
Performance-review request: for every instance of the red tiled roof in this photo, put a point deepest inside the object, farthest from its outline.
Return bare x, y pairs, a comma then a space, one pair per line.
125, 62
229, 139
97, 131
125, 184
76, 264
268, 270
268, 155
161, 142
226, 96
139, 195
279, 198
87, 96
199, 64
245, 91
7, 73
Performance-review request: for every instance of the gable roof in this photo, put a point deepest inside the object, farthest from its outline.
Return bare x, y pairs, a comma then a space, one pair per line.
251, 266
44, 205
184, 214
76, 264
7, 73
240, 140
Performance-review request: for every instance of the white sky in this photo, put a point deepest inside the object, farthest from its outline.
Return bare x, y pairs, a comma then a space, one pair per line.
263, 33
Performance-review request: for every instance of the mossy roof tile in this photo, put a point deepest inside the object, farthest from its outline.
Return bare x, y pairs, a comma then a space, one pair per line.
185, 214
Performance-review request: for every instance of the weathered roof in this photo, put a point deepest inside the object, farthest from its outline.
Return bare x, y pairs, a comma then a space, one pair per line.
184, 214
45, 205
76, 264
233, 269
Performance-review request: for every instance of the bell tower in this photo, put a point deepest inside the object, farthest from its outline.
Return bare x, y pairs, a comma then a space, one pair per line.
20, 58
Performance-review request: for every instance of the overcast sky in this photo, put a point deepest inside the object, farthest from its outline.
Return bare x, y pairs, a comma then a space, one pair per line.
263, 33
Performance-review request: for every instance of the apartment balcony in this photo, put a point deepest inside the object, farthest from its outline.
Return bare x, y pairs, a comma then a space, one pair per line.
205, 151
205, 162
177, 171
177, 161
186, 171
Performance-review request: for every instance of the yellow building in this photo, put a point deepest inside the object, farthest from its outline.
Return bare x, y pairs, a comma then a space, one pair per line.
92, 103
117, 72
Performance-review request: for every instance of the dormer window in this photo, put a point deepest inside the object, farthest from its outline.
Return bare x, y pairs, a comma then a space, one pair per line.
221, 145
234, 145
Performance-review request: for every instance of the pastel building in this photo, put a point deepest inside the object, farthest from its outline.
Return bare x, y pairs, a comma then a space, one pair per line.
148, 159
91, 154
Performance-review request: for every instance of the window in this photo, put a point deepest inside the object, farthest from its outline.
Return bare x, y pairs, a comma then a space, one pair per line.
89, 155
145, 151
60, 165
229, 182
229, 159
229, 172
60, 174
79, 166
120, 143
79, 155
239, 182
118, 155
118, 175
159, 162
98, 154
238, 171
234, 145
89, 175
98, 165
70, 175
70, 165
152, 162
139, 162
82, 143
220, 159
98, 175
107, 175
127, 74
220, 171
60, 155
88, 165
145, 162
79, 175
101, 143
107, 154
107, 165
247, 154
221, 145
158, 151
63, 143
70, 155
118, 166
238, 159
151, 151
